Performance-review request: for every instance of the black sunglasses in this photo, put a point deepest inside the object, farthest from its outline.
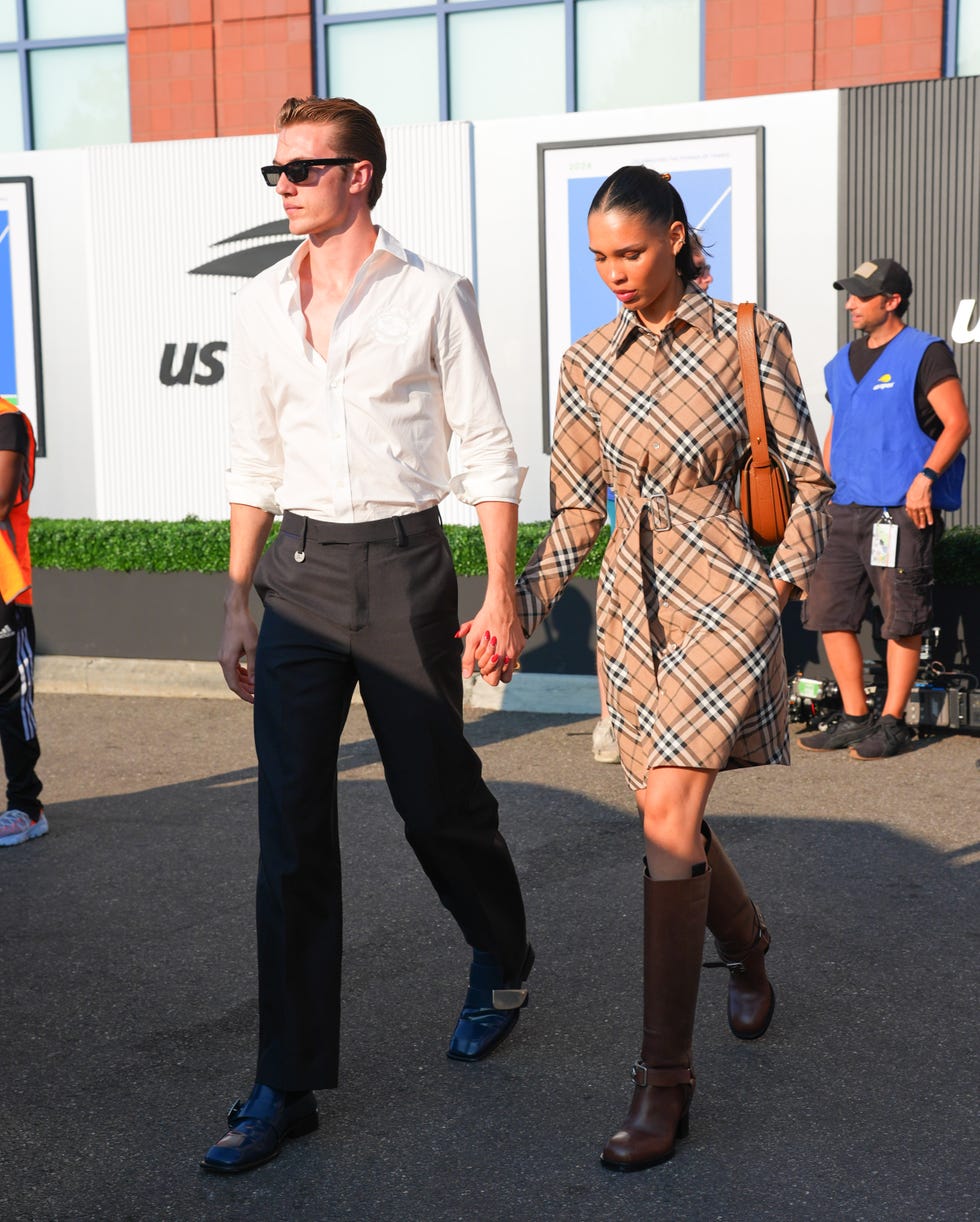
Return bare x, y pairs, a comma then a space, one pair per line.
299, 171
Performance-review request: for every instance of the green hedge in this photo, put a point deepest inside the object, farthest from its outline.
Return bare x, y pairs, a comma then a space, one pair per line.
202, 547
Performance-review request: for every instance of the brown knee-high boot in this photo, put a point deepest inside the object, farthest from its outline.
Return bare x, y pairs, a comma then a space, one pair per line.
742, 940
674, 915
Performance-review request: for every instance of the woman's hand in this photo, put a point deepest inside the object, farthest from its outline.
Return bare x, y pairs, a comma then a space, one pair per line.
496, 660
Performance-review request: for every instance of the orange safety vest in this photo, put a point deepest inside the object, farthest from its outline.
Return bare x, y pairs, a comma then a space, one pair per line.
15, 548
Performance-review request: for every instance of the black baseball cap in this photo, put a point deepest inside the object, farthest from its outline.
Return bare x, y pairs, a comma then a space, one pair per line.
876, 276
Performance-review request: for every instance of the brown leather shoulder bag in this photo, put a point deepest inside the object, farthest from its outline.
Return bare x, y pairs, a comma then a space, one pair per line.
764, 493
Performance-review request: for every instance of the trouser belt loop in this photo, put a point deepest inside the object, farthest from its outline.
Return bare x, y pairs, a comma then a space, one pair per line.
300, 554
400, 539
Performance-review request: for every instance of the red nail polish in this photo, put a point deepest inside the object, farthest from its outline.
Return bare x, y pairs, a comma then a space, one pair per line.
486, 636
494, 660
493, 640
507, 661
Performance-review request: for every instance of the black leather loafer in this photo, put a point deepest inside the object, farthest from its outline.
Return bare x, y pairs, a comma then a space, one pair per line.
490, 1010
258, 1128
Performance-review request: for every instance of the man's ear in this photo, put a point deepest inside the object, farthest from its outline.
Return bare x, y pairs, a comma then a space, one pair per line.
361, 175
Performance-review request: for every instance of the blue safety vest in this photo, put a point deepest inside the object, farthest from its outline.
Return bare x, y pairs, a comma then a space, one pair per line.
878, 446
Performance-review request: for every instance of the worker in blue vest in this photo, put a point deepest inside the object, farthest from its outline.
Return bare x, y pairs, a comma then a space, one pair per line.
894, 450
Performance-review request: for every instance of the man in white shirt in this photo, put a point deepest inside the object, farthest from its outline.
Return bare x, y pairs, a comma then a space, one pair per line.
353, 363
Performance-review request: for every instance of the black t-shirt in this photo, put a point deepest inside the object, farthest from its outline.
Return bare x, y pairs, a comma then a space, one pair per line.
937, 365
13, 433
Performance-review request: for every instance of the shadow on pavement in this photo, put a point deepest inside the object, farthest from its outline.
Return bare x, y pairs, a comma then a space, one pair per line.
129, 1008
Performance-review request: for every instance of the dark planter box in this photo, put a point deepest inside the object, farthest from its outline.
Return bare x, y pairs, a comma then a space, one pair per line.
178, 616
99, 614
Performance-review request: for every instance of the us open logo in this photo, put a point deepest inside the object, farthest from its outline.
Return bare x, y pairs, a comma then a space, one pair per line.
961, 331
200, 363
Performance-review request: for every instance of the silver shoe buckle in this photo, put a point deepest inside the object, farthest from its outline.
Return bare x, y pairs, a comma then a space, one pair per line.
509, 999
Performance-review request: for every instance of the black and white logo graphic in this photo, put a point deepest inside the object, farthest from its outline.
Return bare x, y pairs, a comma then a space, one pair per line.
248, 263
200, 364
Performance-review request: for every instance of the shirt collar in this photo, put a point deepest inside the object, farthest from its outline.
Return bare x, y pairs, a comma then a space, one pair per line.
384, 244
695, 309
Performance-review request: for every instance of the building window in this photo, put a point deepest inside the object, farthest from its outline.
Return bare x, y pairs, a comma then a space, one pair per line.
655, 58
506, 61
963, 19
367, 59
64, 77
489, 59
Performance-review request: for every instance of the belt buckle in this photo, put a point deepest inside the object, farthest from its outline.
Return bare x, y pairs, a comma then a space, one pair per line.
659, 508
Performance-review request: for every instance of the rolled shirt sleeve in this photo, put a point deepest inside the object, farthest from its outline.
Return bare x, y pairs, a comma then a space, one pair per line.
256, 452
486, 459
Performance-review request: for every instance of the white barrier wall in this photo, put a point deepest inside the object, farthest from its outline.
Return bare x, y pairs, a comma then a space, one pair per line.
133, 342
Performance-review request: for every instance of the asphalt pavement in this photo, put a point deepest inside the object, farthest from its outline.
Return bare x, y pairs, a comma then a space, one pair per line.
128, 996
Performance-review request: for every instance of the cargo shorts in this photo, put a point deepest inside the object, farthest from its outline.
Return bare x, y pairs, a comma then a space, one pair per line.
844, 579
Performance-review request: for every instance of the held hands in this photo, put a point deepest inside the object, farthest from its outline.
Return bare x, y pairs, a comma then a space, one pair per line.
494, 640
918, 501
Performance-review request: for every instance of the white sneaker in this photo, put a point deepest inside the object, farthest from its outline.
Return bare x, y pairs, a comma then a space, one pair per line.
605, 749
16, 827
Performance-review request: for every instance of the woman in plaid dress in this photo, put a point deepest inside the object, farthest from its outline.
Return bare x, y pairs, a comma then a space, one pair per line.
688, 617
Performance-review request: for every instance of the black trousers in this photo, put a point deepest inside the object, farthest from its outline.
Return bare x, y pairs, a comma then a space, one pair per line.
18, 729
373, 604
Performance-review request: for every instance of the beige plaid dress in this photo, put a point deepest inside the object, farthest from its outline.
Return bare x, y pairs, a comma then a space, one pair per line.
687, 618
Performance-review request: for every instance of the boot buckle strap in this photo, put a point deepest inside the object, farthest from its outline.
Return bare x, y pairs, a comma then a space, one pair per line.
734, 959
509, 999
646, 1075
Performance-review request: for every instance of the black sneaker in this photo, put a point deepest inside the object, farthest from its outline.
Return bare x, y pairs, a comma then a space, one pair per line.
891, 736
843, 731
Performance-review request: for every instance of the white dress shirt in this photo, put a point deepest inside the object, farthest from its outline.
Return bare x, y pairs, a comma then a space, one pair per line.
365, 433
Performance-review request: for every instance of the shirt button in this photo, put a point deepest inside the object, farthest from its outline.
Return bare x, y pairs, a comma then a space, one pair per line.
656, 445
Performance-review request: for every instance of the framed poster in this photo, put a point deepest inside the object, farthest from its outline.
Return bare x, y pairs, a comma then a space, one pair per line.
719, 175
20, 331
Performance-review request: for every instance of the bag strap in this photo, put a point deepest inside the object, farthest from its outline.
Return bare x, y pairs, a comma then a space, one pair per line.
755, 410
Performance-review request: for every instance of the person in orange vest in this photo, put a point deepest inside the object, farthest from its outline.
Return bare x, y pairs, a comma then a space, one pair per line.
24, 817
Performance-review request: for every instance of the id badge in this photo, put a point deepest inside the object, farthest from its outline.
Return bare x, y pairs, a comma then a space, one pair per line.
884, 542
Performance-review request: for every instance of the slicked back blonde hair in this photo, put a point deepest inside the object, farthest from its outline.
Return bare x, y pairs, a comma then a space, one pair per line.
358, 133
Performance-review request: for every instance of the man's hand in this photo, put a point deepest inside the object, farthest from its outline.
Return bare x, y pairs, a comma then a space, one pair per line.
249, 530
494, 640
918, 501
237, 651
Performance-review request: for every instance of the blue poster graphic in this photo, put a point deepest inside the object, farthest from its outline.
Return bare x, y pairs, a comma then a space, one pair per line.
707, 196
8, 361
